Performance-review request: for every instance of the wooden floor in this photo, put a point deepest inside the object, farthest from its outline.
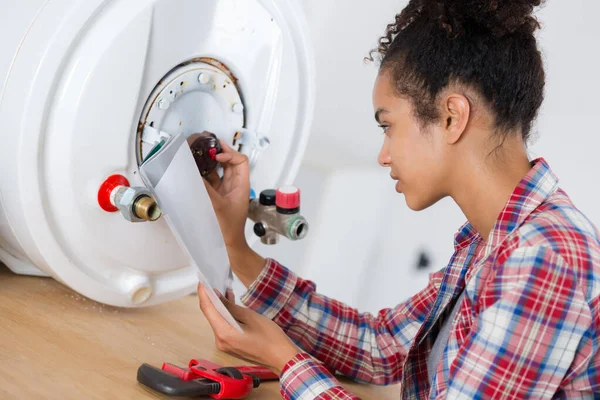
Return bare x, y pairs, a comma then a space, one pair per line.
56, 344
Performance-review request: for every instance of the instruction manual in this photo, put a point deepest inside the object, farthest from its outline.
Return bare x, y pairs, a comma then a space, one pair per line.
171, 174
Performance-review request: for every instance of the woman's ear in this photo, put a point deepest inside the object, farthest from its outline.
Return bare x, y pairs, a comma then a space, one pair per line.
456, 113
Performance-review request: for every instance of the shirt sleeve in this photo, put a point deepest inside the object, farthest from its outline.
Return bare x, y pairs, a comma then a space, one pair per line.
361, 346
534, 317
306, 379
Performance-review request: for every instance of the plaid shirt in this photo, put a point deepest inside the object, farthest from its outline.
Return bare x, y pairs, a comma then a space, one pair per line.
528, 326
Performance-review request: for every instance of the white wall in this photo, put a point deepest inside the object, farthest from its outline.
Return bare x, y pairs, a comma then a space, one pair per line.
569, 133
364, 241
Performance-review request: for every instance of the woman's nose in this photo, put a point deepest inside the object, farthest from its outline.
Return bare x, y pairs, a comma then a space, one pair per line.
384, 158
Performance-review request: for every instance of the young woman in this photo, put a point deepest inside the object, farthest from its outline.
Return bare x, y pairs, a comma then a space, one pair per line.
516, 312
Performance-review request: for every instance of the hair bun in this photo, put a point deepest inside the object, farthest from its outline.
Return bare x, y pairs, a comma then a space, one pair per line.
500, 17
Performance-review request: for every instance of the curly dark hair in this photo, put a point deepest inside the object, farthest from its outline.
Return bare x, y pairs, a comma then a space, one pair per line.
488, 45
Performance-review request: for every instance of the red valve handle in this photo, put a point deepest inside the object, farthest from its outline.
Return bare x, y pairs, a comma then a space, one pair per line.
106, 189
288, 197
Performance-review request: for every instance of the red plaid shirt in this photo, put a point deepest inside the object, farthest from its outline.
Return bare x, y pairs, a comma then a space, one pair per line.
528, 326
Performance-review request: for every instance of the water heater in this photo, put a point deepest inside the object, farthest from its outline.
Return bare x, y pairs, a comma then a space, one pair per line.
87, 89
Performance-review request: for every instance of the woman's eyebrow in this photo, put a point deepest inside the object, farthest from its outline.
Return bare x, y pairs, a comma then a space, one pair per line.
378, 114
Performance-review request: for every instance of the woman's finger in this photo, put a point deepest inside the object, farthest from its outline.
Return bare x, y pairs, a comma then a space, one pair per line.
229, 295
192, 138
216, 321
230, 156
224, 158
241, 314
226, 148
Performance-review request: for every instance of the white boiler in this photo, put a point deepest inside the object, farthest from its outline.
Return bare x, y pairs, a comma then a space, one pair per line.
88, 87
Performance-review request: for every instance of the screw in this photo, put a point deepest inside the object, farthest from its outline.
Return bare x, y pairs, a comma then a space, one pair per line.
238, 108
163, 104
203, 78
264, 142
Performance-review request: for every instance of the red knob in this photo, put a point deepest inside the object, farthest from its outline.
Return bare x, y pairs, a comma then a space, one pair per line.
288, 197
106, 189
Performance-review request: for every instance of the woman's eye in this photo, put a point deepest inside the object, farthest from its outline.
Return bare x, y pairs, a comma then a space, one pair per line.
384, 127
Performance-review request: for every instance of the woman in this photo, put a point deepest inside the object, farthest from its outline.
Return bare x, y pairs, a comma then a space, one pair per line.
516, 312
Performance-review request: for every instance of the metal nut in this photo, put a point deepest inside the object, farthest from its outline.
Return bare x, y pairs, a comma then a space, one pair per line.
125, 200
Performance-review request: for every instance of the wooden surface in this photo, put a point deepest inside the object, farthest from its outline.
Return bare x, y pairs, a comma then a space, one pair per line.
55, 344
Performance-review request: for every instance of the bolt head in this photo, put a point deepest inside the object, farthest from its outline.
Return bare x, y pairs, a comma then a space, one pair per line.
203, 78
163, 104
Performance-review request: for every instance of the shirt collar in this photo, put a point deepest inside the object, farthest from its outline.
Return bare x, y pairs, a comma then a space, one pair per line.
465, 236
533, 189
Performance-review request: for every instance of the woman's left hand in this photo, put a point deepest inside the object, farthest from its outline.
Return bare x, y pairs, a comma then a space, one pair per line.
262, 342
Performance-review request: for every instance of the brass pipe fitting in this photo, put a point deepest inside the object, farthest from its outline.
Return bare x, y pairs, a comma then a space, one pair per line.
146, 208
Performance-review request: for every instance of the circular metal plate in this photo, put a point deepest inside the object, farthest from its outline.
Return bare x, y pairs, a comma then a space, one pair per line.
196, 96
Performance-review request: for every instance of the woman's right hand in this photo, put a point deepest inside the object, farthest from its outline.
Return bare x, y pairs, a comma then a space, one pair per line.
230, 195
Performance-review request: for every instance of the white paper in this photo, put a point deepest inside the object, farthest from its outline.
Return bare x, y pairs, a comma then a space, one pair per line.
173, 177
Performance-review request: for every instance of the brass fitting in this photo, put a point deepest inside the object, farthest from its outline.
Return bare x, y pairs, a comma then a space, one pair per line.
136, 204
146, 208
271, 222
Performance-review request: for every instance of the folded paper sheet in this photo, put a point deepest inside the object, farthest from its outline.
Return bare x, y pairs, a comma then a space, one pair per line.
173, 177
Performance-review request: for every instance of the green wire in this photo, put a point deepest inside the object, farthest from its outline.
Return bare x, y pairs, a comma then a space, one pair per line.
155, 150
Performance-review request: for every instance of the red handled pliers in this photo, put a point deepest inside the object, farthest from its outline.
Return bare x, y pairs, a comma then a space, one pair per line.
204, 378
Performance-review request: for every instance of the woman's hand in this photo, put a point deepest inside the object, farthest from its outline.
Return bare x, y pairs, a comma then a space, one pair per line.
230, 195
262, 342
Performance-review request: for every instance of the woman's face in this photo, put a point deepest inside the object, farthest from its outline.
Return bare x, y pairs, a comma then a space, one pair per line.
414, 154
